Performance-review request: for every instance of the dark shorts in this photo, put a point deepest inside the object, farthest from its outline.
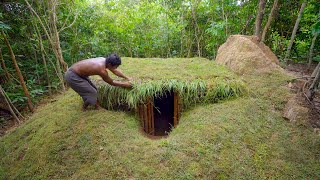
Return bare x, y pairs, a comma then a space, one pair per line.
83, 86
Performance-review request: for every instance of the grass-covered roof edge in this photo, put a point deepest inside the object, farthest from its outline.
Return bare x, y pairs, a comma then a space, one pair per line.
190, 92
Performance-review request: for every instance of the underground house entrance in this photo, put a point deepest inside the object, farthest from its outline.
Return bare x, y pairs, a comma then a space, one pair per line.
161, 114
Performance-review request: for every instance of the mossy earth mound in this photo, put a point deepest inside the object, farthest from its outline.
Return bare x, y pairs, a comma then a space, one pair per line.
243, 138
195, 79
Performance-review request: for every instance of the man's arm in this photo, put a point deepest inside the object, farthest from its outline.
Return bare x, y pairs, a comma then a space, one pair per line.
119, 74
107, 79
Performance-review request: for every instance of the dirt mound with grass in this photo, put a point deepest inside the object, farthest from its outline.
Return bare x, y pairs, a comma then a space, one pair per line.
212, 140
245, 55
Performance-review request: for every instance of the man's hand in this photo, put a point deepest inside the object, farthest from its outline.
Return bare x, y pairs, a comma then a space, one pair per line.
128, 85
106, 78
129, 78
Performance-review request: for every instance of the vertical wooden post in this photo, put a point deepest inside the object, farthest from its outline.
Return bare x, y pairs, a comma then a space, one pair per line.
175, 109
146, 114
178, 107
140, 111
16, 66
149, 115
142, 116
152, 119
145, 117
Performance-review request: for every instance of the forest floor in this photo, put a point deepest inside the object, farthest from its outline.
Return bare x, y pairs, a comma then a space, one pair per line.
302, 72
245, 137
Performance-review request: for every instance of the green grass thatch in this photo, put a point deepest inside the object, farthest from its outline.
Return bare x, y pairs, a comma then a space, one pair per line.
196, 80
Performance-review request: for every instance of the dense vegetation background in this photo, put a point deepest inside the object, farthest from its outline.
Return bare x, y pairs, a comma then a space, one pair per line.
134, 28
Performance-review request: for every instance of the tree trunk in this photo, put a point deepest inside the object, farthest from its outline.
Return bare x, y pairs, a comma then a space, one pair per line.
314, 85
55, 33
4, 67
273, 10
225, 19
314, 73
23, 84
295, 30
43, 57
54, 41
36, 64
262, 5
244, 30
182, 34
311, 49
316, 80
189, 44
196, 29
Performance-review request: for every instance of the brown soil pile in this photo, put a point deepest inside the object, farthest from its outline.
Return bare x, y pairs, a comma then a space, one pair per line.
295, 111
245, 55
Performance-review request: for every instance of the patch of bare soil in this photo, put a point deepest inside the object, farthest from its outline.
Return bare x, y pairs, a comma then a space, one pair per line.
6, 121
300, 85
300, 69
315, 111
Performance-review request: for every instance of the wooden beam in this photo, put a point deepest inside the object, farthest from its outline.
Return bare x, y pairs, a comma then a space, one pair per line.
178, 108
140, 113
149, 116
152, 119
175, 109
145, 112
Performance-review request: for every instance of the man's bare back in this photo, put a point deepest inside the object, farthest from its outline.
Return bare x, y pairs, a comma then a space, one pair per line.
98, 66
89, 67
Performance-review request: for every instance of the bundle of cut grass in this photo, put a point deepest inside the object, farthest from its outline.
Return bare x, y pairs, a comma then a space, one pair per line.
195, 80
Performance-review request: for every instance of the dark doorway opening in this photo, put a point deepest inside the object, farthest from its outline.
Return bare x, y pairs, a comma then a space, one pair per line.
163, 113
159, 115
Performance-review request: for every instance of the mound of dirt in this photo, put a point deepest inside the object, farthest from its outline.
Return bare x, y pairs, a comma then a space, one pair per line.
295, 111
245, 55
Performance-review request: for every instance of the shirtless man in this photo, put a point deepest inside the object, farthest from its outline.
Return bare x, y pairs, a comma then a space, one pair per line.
77, 76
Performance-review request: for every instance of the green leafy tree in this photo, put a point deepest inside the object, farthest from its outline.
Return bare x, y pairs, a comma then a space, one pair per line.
315, 32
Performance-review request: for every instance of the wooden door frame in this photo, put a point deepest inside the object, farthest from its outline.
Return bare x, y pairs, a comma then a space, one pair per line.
146, 114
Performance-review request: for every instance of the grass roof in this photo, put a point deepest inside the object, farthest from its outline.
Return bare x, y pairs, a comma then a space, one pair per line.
195, 79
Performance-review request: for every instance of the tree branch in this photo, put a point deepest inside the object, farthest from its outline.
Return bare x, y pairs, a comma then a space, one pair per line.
74, 20
44, 28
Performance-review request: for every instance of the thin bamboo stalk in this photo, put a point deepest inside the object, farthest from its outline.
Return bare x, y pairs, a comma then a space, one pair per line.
23, 84
43, 57
175, 110
152, 119
293, 35
149, 115
145, 112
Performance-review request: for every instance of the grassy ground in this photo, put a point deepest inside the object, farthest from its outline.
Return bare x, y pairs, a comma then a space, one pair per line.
177, 68
243, 138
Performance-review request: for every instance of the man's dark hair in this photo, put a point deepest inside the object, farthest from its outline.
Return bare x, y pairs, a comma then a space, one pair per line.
113, 59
